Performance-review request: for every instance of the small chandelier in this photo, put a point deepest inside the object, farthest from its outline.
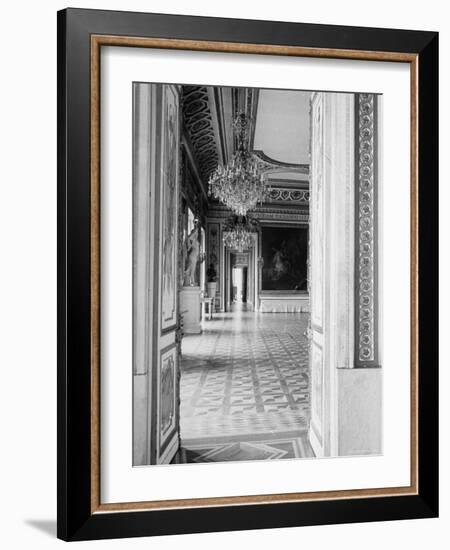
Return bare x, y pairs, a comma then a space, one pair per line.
238, 233
240, 185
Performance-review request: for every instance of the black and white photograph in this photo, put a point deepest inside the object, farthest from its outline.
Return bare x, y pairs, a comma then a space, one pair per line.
256, 258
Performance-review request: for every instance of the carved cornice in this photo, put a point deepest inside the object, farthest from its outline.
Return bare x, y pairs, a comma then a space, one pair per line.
287, 183
282, 208
282, 216
199, 126
288, 195
262, 213
366, 261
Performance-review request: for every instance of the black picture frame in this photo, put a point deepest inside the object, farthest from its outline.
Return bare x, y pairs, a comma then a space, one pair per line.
76, 520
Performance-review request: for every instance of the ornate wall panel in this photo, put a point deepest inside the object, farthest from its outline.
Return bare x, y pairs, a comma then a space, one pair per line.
155, 286
165, 412
168, 213
168, 401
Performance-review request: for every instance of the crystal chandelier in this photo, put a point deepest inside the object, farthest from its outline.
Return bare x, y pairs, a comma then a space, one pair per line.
240, 185
238, 233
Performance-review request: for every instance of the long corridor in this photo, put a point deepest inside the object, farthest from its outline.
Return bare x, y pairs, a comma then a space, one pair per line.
245, 388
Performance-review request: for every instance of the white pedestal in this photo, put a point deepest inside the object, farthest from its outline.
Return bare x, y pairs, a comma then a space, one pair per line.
190, 309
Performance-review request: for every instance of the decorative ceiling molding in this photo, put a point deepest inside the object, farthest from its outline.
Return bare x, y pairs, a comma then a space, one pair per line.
292, 212
271, 165
208, 113
287, 183
276, 218
295, 217
198, 120
289, 195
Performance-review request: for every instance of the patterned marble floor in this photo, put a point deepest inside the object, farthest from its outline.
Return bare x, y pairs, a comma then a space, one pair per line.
266, 449
245, 388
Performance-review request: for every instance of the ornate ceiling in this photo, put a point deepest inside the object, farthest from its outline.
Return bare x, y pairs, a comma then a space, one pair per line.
280, 127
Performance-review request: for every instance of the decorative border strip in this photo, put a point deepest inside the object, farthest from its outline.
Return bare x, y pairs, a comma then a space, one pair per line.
283, 194
366, 332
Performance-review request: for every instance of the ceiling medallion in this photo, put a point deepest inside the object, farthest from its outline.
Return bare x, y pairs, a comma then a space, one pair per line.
240, 185
238, 233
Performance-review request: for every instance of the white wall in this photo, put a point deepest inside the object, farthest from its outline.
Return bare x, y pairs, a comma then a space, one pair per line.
28, 273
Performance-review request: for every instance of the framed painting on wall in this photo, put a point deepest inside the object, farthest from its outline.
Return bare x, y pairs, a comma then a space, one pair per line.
284, 255
149, 113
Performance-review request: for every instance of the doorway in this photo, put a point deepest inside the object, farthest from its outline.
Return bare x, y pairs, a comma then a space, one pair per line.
239, 284
245, 391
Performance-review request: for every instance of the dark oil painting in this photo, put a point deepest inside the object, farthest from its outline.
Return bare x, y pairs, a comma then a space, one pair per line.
284, 255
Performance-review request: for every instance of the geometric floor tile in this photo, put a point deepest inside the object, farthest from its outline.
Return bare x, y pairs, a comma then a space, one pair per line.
247, 374
274, 449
